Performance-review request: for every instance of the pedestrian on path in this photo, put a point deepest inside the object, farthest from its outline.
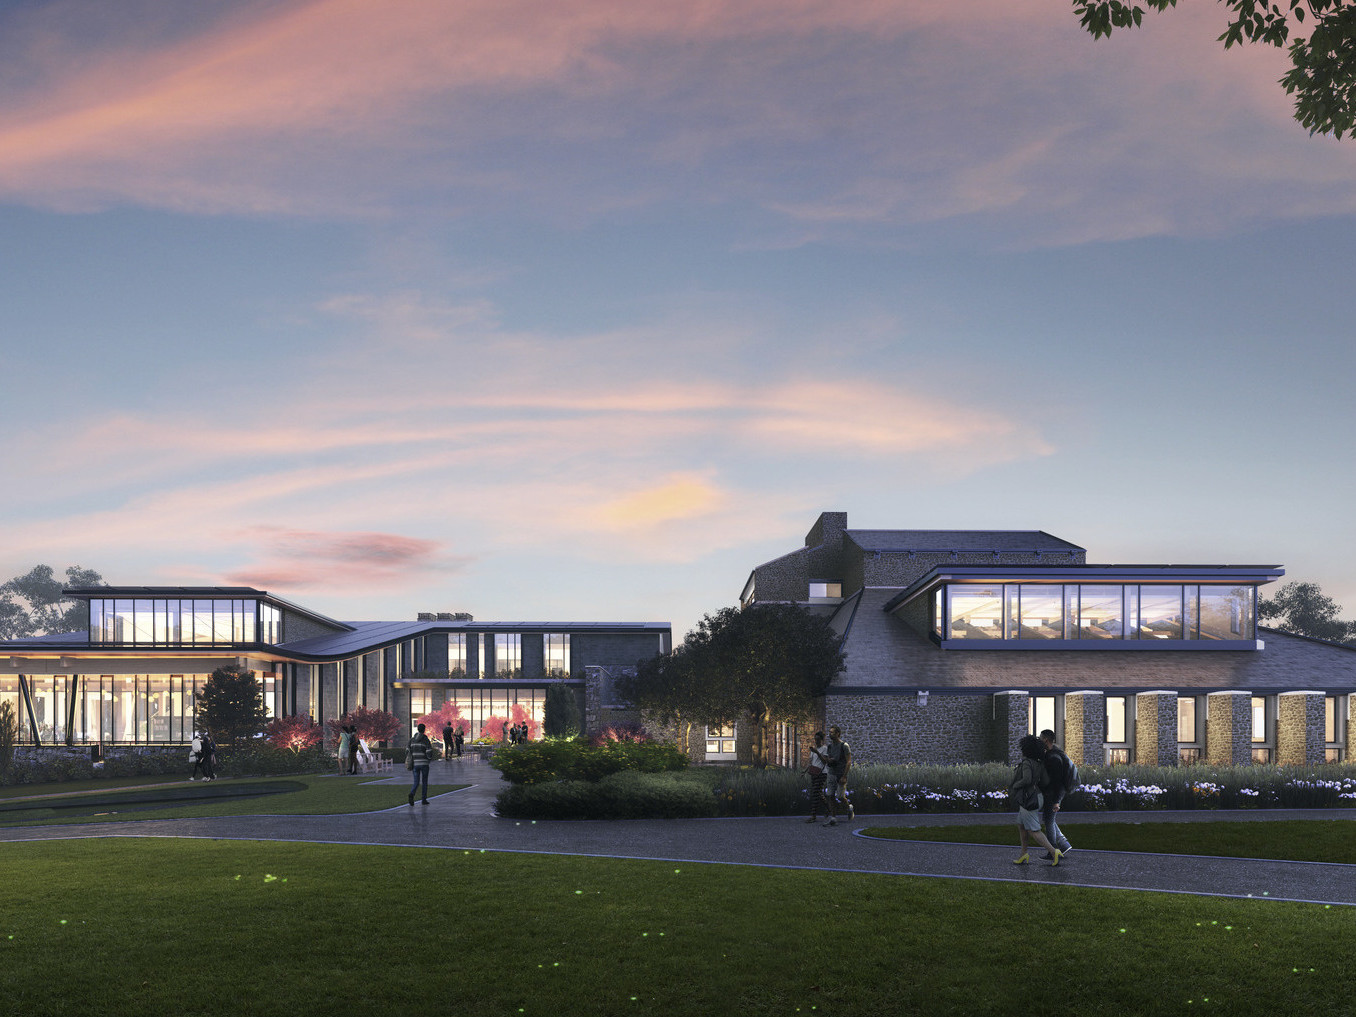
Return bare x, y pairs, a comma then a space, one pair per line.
839, 756
353, 748
417, 759
1028, 777
343, 749
447, 741
1059, 770
816, 769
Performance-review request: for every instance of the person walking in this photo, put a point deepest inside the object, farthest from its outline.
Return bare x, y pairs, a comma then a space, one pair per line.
417, 758
1028, 777
209, 756
816, 769
1057, 769
839, 756
447, 741
458, 735
195, 755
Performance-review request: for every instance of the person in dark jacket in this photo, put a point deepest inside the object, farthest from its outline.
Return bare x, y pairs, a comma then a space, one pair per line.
1057, 769
420, 755
1027, 779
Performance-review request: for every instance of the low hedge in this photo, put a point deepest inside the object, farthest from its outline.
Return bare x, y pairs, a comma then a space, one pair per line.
627, 794
575, 760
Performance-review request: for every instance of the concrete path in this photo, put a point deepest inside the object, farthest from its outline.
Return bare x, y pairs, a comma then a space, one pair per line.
464, 820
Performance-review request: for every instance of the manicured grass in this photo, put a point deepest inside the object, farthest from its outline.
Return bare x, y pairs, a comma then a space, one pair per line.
176, 928
306, 795
1301, 840
80, 787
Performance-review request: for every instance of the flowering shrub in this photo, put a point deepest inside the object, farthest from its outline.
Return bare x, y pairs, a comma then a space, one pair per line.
624, 731
448, 713
293, 733
373, 725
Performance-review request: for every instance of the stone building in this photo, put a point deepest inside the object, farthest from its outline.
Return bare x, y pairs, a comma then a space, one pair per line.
958, 642
133, 677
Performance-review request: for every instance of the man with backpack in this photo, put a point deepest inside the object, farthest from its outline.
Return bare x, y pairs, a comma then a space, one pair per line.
1063, 776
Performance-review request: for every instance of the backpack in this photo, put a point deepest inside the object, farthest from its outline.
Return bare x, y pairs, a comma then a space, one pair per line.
1070, 768
195, 750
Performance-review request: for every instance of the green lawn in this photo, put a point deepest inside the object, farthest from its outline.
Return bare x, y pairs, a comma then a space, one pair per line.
182, 928
301, 795
1301, 840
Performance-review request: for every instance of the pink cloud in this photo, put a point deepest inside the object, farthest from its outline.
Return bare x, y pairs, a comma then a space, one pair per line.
291, 559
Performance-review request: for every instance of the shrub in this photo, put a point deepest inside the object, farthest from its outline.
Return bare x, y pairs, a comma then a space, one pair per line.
622, 795
541, 761
622, 731
373, 725
294, 733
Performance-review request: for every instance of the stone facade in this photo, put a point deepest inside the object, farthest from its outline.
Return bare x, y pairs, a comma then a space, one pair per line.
1299, 728
1085, 727
1011, 717
1228, 735
901, 729
1156, 728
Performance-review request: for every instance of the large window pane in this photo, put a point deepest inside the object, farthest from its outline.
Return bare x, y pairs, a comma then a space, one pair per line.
1042, 612
1186, 720
508, 652
1100, 612
976, 612
202, 622
1160, 612
124, 624
1226, 612
144, 630
1115, 719
1041, 714
1259, 719
556, 646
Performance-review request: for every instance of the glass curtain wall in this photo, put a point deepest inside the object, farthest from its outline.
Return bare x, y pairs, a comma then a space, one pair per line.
152, 622
1037, 611
487, 710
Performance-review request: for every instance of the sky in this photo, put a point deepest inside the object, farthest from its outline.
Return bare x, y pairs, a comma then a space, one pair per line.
579, 311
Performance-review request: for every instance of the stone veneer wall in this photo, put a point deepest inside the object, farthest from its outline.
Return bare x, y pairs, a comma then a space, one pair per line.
1299, 728
896, 729
1085, 727
1156, 729
1011, 718
1228, 734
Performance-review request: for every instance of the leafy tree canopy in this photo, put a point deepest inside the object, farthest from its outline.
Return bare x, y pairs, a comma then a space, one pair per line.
767, 664
1304, 609
1322, 77
32, 604
231, 705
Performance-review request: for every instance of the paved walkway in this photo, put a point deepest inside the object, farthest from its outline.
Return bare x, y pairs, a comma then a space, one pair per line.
464, 820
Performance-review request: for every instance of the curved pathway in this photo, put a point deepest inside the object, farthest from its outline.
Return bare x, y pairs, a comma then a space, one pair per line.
464, 820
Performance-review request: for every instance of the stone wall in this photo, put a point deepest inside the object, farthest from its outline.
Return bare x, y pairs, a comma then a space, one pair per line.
1299, 728
1085, 727
1156, 729
897, 729
1228, 733
1011, 718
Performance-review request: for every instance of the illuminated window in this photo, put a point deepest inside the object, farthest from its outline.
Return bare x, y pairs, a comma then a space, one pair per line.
1259, 719
508, 652
1186, 720
456, 651
1041, 714
720, 742
556, 649
1100, 612
976, 612
826, 590
1116, 728
1160, 612
1041, 612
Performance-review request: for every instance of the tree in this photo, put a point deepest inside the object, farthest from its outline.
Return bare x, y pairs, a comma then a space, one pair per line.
9, 734
448, 713
1322, 77
293, 732
373, 725
765, 665
561, 714
231, 705
667, 688
1305, 610
32, 604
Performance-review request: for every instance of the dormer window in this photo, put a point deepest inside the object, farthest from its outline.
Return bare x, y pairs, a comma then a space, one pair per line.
826, 590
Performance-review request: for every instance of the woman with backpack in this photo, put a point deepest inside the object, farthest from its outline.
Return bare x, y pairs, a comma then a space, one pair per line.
1028, 777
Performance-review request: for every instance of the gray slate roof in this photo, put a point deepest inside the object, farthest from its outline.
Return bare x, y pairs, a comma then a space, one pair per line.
958, 540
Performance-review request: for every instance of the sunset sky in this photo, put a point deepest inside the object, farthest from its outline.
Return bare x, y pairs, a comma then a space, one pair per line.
578, 311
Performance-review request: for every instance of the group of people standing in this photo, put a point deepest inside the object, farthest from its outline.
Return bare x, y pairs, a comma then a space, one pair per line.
202, 753
828, 770
348, 749
516, 734
1039, 783
451, 741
